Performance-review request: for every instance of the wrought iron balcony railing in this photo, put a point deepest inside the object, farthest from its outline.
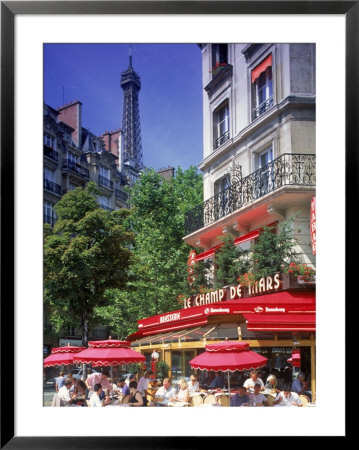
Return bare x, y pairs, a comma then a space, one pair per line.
262, 108
103, 181
51, 153
75, 167
221, 140
289, 169
121, 195
52, 187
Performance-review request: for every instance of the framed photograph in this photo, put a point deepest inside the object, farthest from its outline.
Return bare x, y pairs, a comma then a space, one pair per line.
26, 28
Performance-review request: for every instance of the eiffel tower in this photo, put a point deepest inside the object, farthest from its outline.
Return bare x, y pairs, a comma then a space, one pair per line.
131, 127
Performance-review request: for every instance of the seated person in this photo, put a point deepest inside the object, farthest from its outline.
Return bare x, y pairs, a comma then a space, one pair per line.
79, 390
257, 398
271, 384
193, 385
122, 387
166, 391
250, 382
218, 381
136, 398
64, 394
240, 398
287, 398
183, 393
95, 400
299, 385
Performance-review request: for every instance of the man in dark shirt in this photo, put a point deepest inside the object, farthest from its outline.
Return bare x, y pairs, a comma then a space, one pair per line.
241, 398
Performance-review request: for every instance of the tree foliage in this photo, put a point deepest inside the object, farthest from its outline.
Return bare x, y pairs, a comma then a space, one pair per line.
160, 258
230, 263
274, 249
85, 254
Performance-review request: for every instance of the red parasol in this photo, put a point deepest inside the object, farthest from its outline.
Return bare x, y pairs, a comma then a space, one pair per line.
62, 356
108, 353
228, 356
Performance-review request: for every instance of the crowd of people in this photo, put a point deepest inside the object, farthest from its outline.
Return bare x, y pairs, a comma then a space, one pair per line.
98, 390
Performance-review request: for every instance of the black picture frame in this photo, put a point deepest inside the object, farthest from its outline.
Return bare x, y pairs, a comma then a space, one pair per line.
9, 9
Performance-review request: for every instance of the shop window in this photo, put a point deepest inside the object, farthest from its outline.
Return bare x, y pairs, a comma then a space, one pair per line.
223, 331
180, 366
262, 87
221, 125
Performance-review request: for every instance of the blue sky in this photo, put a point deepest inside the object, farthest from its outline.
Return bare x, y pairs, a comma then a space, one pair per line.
170, 97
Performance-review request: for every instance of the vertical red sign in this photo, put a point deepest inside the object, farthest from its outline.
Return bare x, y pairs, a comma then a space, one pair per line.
313, 225
191, 263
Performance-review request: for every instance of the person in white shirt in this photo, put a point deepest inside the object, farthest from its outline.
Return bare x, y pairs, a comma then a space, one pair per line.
166, 391
183, 393
193, 385
64, 394
257, 399
143, 385
250, 382
287, 398
95, 398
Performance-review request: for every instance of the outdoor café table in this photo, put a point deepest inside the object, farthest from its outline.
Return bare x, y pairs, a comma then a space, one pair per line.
116, 403
269, 392
209, 405
178, 404
158, 403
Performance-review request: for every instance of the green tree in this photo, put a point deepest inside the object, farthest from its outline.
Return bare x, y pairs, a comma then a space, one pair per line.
201, 278
85, 254
160, 258
274, 249
226, 261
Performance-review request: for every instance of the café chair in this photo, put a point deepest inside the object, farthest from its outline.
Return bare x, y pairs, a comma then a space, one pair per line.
125, 399
209, 399
197, 400
88, 403
224, 400
270, 400
304, 399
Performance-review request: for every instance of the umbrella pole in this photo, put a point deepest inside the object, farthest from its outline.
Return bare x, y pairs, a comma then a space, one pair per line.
229, 385
112, 382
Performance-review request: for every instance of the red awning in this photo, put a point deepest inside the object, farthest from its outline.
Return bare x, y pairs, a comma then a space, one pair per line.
280, 322
267, 62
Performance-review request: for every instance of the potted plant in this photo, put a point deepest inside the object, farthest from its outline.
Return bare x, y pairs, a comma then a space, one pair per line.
303, 272
162, 369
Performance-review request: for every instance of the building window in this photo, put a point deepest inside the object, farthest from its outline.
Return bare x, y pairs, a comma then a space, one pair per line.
72, 158
104, 173
264, 173
49, 141
221, 199
221, 125
49, 214
219, 58
48, 174
104, 203
262, 87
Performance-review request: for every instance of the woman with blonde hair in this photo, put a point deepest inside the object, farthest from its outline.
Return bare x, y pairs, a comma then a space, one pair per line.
183, 393
193, 385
